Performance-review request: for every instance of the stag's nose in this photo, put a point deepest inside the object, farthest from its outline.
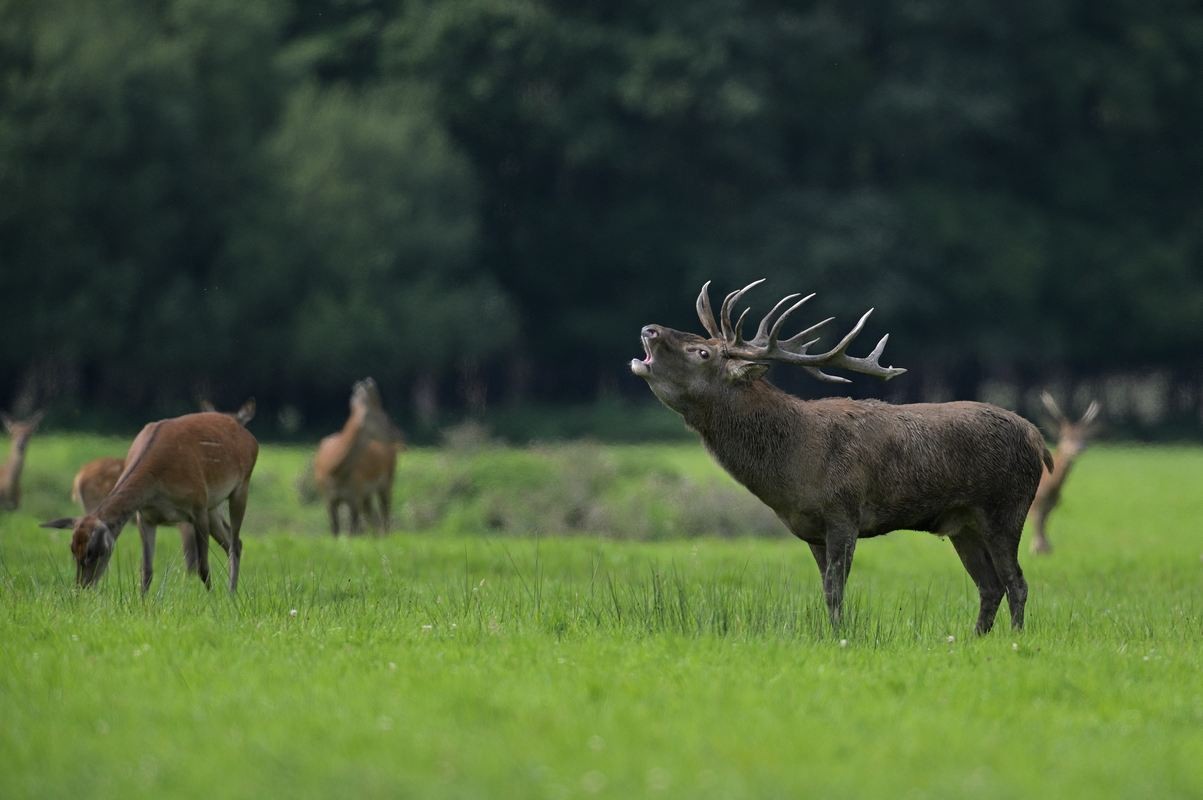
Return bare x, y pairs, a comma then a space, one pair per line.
651, 331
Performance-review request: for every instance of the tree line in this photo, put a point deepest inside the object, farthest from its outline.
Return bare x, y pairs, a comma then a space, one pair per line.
481, 202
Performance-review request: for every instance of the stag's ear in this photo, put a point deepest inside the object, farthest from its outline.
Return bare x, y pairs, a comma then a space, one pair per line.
740, 371
7, 421
64, 522
206, 406
247, 412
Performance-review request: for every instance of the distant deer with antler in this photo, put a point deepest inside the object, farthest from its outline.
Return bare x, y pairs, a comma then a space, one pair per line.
1072, 438
838, 470
355, 466
20, 431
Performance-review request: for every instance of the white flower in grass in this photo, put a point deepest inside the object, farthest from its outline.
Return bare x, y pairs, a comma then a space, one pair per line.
427, 627
951, 639
593, 781
843, 642
1015, 646
292, 612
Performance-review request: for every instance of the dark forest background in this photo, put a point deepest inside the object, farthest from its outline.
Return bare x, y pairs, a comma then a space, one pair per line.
480, 202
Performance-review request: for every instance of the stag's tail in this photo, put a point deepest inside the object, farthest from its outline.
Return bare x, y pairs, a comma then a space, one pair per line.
75, 494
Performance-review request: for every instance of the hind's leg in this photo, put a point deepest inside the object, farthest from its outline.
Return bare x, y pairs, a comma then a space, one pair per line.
332, 510
237, 512
200, 541
972, 550
147, 533
385, 499
219, 529
1003, 545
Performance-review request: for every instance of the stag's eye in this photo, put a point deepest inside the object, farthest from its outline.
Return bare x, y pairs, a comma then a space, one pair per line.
705, 354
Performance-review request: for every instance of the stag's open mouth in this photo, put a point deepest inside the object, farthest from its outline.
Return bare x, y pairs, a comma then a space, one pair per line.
644, 367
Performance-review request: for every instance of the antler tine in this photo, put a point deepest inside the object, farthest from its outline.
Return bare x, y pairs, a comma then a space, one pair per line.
762, 330
870, 364
1053, 409
823, 376
803, 334
1092, 411
770, 349
739, 326
840, 348
728, 304
776, 329
706, 313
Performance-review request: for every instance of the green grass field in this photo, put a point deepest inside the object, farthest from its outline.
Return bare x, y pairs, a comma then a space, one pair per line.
472, 658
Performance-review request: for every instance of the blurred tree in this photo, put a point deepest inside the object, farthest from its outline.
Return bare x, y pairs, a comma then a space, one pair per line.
363, 248
486, 193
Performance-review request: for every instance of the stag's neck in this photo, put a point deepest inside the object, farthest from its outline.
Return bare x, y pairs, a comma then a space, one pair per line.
750, 427
1062, 464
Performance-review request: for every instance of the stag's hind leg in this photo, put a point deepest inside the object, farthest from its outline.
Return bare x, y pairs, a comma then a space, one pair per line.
1003, 545
976, 558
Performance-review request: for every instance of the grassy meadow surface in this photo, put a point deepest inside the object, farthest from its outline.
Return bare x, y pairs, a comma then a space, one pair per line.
468, 656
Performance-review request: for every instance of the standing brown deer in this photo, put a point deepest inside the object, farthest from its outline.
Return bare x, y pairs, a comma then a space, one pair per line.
177, 471
96, 478
836, 470
20, 431
357, 464
1072, 438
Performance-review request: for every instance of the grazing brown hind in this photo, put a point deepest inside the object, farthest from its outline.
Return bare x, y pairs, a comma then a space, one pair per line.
96, 478
177, 471
20, 431
357, 464
1072, 438
837, 470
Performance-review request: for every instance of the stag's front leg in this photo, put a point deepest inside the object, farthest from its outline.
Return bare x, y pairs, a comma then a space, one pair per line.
819, 551
840, 544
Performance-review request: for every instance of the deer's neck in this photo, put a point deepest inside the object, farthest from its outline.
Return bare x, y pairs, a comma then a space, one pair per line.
750, 430
1061, 466
123, 502
10, 472
353, 439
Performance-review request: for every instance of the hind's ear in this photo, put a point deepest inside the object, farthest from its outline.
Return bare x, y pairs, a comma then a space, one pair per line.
64, 522
247, 412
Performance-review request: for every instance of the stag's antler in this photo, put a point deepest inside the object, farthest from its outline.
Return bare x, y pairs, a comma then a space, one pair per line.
766, 345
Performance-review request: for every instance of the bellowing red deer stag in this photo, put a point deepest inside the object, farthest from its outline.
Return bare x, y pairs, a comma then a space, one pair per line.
357, 464
836, 470
177, 471
1072, 438
20, 431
